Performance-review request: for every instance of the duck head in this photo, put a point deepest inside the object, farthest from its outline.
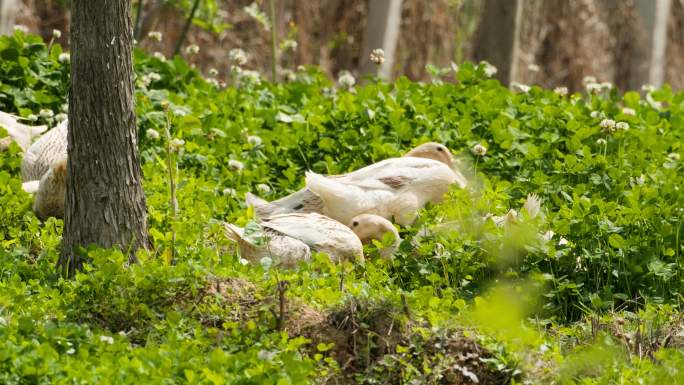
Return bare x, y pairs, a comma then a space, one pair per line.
369, 227
434, 151
439, 152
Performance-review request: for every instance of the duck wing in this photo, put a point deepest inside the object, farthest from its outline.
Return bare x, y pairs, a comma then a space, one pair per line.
343, 200
286, 251
302, 201
397, 173
318, 232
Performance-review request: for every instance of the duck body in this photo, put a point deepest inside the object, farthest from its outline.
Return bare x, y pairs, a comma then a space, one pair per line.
293, 237
49, 149
394, 188
43, 172
50, 197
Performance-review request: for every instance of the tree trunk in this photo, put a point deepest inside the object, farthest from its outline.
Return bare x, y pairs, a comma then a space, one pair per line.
497, 40
105, 204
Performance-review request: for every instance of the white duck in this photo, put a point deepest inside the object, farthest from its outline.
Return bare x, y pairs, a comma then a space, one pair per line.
291, 238
43, 172
20, 133
393, 187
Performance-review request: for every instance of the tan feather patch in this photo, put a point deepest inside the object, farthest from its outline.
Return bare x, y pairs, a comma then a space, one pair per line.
395, 182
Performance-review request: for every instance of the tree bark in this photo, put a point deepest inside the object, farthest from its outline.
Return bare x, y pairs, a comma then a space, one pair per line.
497, 40
105, 204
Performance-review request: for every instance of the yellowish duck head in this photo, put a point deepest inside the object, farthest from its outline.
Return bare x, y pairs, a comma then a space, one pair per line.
369, 227
434, 151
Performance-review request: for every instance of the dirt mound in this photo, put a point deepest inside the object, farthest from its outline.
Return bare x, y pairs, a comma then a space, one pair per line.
370, 339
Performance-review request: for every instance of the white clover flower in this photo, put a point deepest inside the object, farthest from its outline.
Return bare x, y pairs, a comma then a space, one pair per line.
192, 49
629, 111
46, 114
329, 92
263, 188
213, 72
562, 91
64, 57
593, 88
346, 80
249, 76
608, 125
61, 117
588, 80
640, 180
237, 56
176, 144
489, 69
107, 339
266, 262
153, 134
562, 241
155, 35
520, 87
159, 55
20, 27
606, 86
479, 150
235, 165
301, 68
56, 34
622, 126
153, 77
289, 75
244, 262
647, 88
71, 351
213, 82
229, 191
180, 112
236, 70
377, 56
533, 67
32, 117
596, 114
288, 45
254, 140
673, 156
601, 142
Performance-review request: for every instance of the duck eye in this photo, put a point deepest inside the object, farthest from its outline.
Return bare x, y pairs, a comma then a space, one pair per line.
355, 223
440, 149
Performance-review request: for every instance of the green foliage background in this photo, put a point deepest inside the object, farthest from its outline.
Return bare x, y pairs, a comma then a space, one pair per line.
617, 205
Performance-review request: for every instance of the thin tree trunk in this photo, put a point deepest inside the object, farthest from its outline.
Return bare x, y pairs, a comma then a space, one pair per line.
382, 31
498, 36
105, 204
